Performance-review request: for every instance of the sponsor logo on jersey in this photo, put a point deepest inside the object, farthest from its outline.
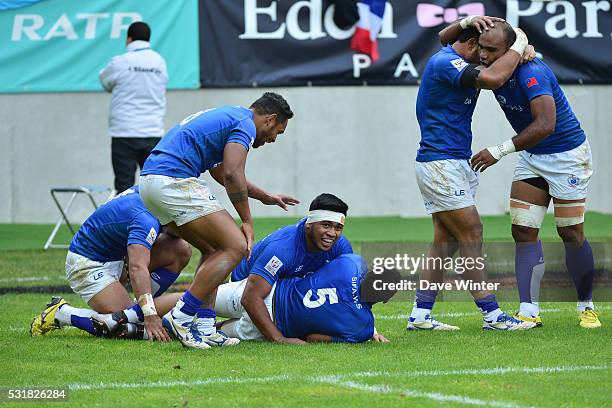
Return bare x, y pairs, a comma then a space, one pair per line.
459, 63
273, 265
531, 82
152, 236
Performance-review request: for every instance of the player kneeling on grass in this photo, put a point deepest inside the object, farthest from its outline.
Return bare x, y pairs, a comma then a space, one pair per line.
325, 306
95, 264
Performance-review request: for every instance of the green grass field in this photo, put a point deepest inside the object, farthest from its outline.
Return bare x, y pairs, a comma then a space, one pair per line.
559, 365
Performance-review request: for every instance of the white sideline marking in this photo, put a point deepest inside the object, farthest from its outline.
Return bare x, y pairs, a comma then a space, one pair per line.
339, 377
166, 384
25, 279
420, 394
465, 314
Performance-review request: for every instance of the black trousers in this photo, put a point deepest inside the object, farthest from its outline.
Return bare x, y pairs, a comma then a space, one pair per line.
126, 154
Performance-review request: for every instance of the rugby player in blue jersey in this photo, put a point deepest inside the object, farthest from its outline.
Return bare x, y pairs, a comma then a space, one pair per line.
95, 269
445, 103
554, 163
324, 306
292, 251
216, 140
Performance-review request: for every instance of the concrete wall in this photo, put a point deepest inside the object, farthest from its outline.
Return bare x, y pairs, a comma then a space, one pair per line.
357, 142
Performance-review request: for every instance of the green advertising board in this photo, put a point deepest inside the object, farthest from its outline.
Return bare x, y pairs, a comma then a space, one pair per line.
61, 45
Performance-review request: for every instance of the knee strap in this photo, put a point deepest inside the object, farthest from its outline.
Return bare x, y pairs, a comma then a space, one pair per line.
568, 214
526, 214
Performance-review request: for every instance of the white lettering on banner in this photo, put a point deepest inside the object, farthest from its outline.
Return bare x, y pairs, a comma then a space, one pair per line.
62, 28
563, 24
363, 61
29, 26
360, 61
29, 29
406, 65
121, 22
92, 20
320, 23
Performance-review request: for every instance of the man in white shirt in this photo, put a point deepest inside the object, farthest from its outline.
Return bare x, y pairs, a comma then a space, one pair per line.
137, 80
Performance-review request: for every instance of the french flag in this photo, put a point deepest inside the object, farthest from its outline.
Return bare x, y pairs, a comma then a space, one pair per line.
370, 21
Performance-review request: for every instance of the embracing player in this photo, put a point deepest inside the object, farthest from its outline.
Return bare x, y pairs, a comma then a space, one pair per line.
445, 104
555, 163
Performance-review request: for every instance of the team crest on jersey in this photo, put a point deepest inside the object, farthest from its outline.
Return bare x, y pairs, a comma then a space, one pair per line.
573, 180
273, 265
459, 63
152, 236
531, 82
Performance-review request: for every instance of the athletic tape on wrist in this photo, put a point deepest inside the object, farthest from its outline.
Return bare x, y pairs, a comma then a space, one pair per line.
147, 304
520, 43
466, 22
502, 149
325, 215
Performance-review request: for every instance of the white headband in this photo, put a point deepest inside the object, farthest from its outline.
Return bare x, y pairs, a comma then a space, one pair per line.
324, 215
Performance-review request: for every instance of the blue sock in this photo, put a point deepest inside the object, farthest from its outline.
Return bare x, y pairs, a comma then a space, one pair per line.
206, 313
425, 299
161, 280
190, 304
487, 304
529, 269
580, 265
83, 323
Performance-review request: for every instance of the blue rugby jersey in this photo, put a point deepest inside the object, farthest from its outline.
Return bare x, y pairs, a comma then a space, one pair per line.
529, 81
444, 109
121, 221
197, 143
326, 302
284, 254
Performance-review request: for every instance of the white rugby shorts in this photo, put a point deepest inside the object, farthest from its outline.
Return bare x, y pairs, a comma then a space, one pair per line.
181, 200
227, 304
87, 278
567, 173
446, 185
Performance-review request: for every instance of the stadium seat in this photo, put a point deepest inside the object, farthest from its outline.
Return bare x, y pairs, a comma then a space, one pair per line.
64, 210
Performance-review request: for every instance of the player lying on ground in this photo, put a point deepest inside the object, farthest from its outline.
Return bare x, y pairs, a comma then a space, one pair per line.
555, 162
324, 306
216, 140
95, 263
292, 251
445, 104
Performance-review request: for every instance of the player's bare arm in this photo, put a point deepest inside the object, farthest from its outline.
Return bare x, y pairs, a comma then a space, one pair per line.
256, 290
140, 257
499, 72
234, 180
544, 116
258, 193
481, 23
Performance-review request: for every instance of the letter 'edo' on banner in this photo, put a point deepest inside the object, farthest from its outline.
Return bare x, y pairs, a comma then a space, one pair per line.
272, 42
61, 45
